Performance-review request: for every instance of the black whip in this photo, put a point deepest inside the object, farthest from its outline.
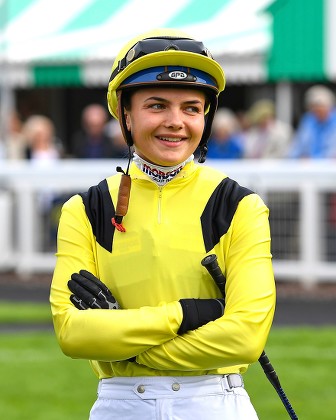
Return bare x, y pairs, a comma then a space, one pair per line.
211, 264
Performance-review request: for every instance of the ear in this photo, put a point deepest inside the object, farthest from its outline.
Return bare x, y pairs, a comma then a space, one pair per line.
128, 120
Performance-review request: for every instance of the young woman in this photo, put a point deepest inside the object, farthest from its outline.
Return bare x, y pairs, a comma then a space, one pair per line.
131, 248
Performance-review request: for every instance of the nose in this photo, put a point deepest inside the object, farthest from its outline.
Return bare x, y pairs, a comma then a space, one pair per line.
174, 119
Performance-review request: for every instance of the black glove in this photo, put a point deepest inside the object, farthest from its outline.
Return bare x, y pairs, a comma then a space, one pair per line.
90, 292
198, 312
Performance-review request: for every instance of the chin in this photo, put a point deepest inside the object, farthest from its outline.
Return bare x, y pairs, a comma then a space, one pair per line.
172, 160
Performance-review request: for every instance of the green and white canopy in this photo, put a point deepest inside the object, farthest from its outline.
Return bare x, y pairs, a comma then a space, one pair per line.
74, 42
304, 40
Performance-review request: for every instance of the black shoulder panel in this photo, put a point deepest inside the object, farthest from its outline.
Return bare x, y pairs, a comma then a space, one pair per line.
100, 210
219, 211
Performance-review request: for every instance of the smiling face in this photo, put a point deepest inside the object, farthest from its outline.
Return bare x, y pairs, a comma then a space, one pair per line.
166, 124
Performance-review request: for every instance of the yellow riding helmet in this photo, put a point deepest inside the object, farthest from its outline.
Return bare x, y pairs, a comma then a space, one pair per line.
126, 63
165, 57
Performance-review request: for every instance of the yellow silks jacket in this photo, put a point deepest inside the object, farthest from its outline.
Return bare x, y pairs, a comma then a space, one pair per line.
156, 262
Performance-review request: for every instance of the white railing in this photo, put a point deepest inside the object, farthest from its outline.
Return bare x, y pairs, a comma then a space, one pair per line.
310, 181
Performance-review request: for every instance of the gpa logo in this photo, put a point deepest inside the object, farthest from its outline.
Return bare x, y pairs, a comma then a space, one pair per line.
178, 75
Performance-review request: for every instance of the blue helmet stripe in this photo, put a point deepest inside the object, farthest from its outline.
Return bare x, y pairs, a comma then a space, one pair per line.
150, 76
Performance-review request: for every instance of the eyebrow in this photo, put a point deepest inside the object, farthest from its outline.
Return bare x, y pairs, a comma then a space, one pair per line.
158, 98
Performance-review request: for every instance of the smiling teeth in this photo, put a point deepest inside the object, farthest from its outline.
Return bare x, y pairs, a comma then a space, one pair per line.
173, 140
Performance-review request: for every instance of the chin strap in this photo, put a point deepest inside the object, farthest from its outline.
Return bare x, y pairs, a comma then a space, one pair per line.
203, 153
203, 147
122, 118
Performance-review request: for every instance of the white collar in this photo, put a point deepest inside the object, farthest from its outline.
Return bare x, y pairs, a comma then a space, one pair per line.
161, 175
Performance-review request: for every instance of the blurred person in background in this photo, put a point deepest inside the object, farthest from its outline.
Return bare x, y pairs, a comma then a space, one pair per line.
267, 137
43, 146
316, 133
91, 141
119, 147
243, 121
15, 145
225, 141
44, 150
316, 139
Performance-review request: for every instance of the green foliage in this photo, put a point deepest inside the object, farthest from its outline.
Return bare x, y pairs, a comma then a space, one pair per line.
39, 382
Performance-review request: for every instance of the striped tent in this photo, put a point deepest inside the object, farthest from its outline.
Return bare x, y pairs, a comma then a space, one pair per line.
73, 42
304, 39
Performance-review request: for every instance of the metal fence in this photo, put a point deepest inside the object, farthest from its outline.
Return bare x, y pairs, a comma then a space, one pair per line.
301, 196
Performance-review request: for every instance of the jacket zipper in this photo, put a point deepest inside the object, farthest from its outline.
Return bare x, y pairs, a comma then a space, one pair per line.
159, 205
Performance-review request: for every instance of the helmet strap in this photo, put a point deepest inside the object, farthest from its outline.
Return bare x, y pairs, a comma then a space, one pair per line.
203, 152
122, 118
203, 146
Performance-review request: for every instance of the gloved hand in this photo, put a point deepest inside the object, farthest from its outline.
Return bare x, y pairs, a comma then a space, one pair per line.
198, 312
90, 292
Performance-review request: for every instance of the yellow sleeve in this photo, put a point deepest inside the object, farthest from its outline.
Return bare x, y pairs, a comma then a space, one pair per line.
239, 336
106, 335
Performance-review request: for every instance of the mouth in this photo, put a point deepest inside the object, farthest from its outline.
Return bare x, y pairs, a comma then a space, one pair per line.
171, 139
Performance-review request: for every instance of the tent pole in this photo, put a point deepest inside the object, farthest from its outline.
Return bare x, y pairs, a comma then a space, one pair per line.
284, 101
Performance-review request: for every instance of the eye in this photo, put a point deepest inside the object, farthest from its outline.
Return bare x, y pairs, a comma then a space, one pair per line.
156, 105
194, 109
